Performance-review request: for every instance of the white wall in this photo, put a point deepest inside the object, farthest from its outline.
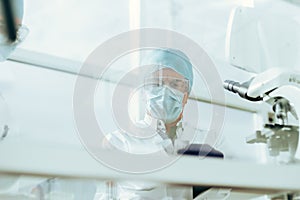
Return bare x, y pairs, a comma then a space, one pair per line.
40, 102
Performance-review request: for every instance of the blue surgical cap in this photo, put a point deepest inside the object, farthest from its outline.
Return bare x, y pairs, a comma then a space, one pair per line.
172, 59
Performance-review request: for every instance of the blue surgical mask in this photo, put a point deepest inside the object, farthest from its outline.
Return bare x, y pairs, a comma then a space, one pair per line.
164, 103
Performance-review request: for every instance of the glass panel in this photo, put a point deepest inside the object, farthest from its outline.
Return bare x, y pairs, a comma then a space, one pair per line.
73, 28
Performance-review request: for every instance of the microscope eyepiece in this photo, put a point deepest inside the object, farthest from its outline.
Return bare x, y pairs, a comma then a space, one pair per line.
240, 89
231, 86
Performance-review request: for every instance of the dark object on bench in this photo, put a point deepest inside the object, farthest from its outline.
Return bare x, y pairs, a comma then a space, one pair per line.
203, 150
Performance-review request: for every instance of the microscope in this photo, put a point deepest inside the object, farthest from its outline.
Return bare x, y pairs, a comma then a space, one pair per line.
280, 88
264, 39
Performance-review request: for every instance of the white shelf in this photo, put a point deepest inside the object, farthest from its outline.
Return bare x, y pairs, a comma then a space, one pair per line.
62, 162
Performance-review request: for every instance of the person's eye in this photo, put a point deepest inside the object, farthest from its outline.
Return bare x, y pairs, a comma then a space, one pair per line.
174, 84
154, 84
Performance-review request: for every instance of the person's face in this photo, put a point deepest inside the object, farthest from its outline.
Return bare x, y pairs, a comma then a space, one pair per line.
167, 93
175, 80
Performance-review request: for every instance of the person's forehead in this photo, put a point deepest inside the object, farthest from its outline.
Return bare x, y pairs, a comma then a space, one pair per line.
167, 72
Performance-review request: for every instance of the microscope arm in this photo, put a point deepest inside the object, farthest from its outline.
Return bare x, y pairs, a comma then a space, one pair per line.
262, 84
269, 81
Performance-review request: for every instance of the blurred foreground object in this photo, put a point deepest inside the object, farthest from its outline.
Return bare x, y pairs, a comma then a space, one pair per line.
12, 32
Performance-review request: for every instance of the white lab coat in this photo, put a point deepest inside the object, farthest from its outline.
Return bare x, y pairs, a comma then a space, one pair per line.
144, 190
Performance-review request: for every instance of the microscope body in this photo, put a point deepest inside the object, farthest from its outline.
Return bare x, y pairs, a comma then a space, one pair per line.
280, 88
289, 134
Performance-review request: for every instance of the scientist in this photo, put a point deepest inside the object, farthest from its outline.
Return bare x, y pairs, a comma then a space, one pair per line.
167, 88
